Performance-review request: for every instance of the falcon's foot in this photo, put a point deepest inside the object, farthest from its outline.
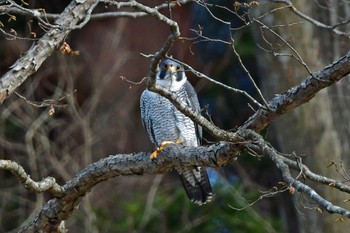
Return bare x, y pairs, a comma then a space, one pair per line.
155, 153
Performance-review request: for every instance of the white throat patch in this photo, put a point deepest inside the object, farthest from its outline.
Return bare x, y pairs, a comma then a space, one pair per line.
170, 83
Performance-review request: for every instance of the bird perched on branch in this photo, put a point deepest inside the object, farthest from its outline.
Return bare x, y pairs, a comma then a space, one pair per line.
165, 124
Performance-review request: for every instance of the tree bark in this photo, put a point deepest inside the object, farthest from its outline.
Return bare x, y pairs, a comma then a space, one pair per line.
31, 61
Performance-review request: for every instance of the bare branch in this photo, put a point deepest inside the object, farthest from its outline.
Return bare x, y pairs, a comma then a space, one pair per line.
201, 75
248, 73
314, 21
297, 56
59, 209
174, 29
39, 14
260, 146
315, 177
47, 184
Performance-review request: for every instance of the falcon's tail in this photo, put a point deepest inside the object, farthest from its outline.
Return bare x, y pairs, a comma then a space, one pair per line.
196, 184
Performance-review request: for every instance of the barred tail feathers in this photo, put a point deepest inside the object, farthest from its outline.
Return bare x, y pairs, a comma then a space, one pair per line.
196, 184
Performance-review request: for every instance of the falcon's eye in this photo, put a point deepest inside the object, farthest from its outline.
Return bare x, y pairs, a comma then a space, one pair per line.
178, 67
165, 66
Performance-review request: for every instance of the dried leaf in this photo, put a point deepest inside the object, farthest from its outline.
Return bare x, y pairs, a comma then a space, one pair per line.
319, 210
291, 190
3, 96
66, 49
12, 17
52, 110
340, 219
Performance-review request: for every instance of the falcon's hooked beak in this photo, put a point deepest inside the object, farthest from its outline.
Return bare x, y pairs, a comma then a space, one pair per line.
171, 70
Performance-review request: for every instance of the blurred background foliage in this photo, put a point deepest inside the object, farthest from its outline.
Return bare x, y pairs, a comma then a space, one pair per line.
96, 114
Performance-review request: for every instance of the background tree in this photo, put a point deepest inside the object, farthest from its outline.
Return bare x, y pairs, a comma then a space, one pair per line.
81, 104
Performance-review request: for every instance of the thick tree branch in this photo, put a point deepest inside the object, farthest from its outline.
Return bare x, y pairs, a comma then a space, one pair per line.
59, 209
30, 62
300, 94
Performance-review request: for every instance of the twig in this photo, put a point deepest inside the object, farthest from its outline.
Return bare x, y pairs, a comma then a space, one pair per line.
248, 74
314, 21
201, 75
298, 57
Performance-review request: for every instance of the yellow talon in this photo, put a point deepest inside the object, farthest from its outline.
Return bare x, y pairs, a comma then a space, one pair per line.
155, 153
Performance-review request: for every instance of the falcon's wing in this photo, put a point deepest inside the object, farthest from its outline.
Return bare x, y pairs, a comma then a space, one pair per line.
194, 104
145, 101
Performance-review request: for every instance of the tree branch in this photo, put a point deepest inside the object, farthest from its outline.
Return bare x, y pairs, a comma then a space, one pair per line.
300, 94
47, 184
315, 177
259, 146
59, 209
30, 62
314, 21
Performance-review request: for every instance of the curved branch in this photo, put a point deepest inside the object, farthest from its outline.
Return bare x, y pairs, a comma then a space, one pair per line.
47, 184
59, 209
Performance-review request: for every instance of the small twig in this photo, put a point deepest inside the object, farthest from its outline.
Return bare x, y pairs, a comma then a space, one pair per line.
298, 57
132, 82
249, 75
265, 195
201, 75
202, 3
44, 103
315, 177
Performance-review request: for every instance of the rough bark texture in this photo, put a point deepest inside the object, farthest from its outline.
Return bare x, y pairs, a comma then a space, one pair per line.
59, 209
30, 62
320, 129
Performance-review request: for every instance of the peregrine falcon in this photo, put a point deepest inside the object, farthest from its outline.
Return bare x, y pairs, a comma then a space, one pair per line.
165, 124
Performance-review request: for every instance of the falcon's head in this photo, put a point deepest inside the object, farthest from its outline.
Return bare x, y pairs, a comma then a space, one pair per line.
171, 75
